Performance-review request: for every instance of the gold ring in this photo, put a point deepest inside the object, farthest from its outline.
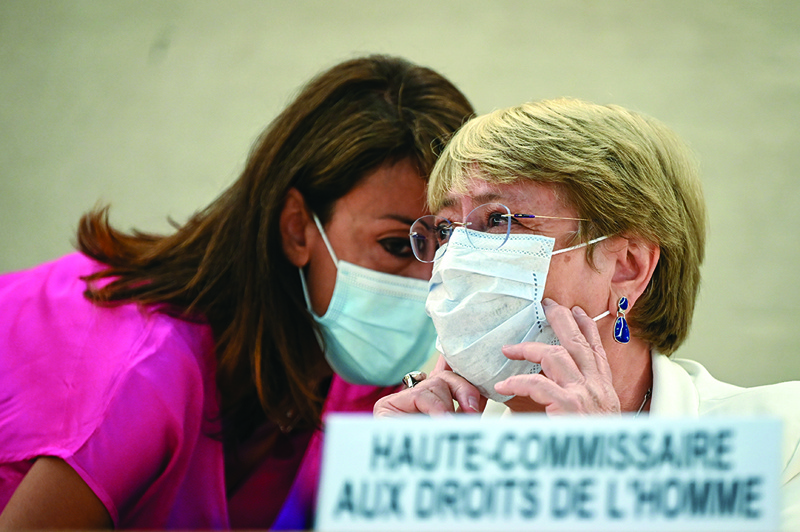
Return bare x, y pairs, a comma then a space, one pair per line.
413, 378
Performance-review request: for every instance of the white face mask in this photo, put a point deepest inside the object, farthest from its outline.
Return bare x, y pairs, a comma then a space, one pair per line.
375, 328
482, 297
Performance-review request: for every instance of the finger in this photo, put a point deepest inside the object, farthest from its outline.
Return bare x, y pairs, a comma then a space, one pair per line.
530, 351
432, 402
538, 388
589, 329
570, 336
423, 401
463, 391
476, 409
466, 395
397, 404
557, 363
433, 396
429, 397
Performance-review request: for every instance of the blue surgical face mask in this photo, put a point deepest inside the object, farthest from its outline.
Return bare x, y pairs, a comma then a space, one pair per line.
375, 329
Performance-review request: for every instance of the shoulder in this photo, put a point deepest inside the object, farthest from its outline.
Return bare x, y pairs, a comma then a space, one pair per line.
684, 387
64, 360
48, 278
123, 394
721, 398
780, 400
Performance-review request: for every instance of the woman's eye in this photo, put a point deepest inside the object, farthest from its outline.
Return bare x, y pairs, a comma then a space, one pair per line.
442, 232
496, 219
399, 247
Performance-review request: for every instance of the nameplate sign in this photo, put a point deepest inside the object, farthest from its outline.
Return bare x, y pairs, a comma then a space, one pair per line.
531, 472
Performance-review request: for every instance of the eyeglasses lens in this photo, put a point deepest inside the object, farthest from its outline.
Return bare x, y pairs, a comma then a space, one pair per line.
427, 234
492, 222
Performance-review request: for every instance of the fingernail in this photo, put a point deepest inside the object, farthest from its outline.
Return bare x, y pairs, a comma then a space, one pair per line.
509, 348
473, 403
578, 311
547, 301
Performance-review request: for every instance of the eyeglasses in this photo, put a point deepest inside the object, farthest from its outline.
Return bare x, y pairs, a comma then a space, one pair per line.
430, 232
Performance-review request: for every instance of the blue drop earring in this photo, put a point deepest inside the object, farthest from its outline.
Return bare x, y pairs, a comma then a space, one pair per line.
622, 333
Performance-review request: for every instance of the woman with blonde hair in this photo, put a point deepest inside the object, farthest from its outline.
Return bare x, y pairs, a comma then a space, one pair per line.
566, 243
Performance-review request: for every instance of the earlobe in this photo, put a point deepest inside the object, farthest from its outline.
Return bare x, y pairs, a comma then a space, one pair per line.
634, 268
294, 224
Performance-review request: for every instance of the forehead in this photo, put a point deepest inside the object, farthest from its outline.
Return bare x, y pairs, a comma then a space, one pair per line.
519, 196
390, 191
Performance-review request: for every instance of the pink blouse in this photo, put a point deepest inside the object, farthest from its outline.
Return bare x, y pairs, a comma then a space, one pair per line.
127, 397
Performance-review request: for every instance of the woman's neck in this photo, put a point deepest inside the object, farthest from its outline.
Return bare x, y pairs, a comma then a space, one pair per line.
632, 374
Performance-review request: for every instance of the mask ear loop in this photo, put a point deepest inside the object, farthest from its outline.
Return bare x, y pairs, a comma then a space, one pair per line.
576, 246
303, 284
317, 333
325, 239
601, 316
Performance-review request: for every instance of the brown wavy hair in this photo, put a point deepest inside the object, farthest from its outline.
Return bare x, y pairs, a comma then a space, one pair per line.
226, 263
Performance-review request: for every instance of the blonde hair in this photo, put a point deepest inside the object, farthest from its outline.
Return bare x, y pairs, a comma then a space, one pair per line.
626, 173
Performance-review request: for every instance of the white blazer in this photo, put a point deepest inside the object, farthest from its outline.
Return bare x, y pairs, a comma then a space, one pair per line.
684, 388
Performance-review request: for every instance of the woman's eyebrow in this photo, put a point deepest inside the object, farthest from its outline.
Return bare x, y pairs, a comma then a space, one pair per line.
398, 217
487, 197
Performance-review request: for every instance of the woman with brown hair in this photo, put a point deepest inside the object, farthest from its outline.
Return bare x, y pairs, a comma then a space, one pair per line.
180, 381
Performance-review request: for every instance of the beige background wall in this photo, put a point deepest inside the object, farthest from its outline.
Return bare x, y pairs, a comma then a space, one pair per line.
152, 106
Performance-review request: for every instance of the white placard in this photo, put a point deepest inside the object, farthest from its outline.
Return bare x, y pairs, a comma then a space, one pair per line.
531, 472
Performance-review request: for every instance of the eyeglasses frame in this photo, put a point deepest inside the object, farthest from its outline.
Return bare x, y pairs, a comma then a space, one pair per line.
412, 234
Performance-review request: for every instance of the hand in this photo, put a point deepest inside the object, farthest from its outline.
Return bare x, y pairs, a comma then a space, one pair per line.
576, 377
434, 396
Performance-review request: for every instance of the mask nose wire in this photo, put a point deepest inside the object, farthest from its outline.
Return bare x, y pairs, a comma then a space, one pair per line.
325, 239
